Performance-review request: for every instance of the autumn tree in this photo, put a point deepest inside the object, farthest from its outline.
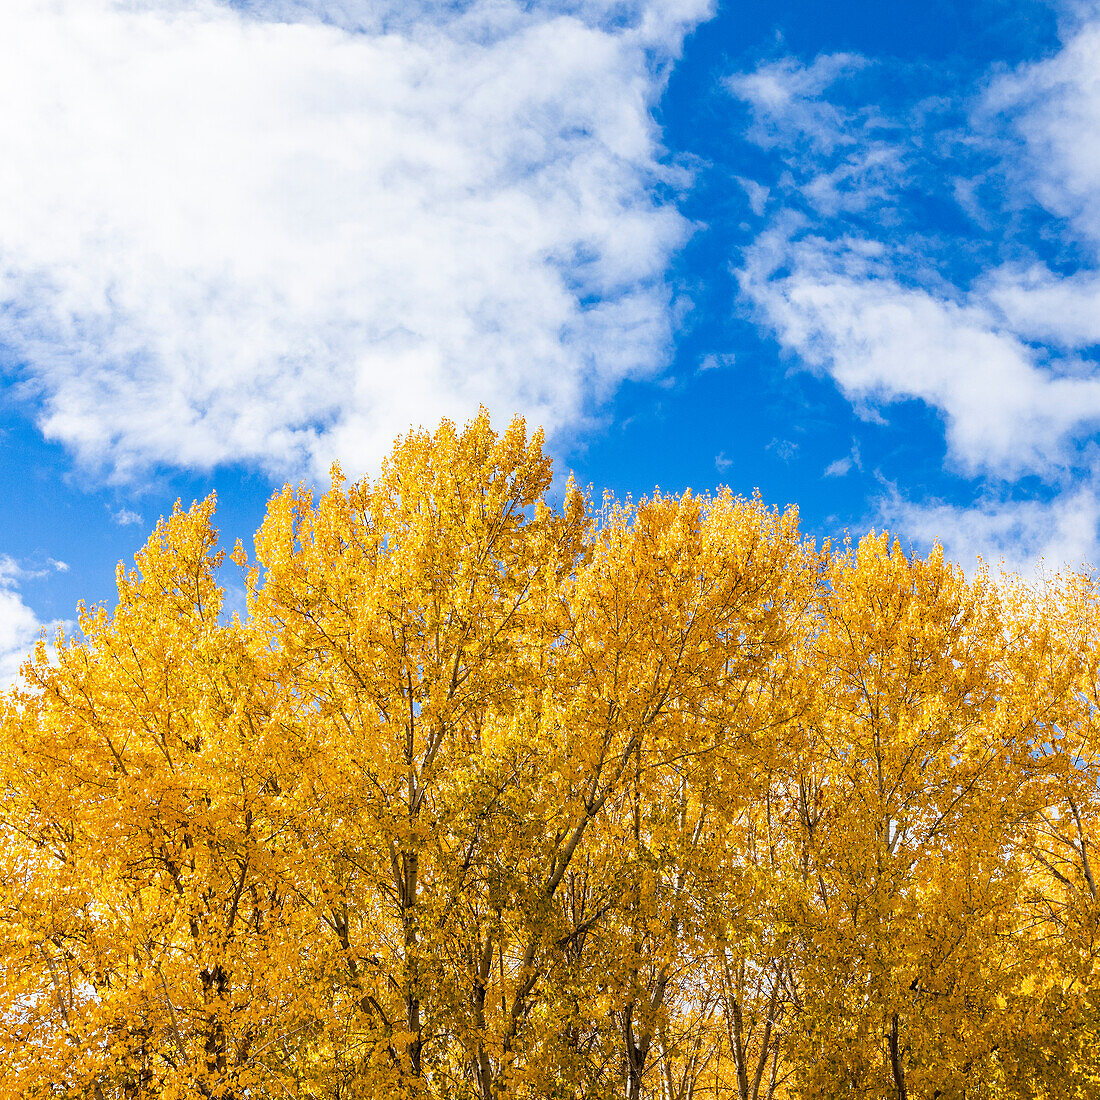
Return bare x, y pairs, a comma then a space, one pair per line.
1055, 679
490, 796
902, 818
151, 928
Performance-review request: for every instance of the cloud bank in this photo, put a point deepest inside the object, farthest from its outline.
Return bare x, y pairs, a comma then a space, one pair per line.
281, 233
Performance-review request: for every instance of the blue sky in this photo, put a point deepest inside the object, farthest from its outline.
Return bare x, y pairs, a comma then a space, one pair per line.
846, 254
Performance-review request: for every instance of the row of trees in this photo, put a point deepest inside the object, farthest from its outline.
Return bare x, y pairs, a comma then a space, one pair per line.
484, 798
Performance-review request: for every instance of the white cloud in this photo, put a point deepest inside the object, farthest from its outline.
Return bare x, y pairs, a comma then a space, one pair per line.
480, 20
127, 517
1063, 310
1006, 358
1026, 537
839, 159
788, 105
757, 195
839, 307
1055, 105
230, 238
714, 361
19, 625
841, 467
874, 312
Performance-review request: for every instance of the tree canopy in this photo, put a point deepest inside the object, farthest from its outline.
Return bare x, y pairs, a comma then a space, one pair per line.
483, 797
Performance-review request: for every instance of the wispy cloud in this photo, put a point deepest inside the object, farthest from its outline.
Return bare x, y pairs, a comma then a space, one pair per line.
1054, 107
788, 104
126, 517
841, 467
993, 325
281, 233
717, 362
786, 449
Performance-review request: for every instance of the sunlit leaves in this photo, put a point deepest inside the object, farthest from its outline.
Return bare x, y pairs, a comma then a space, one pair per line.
487, 796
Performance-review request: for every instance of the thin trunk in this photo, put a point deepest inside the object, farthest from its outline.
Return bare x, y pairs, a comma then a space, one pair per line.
765, 1042
563, 856
408, 872
215, 990
737, 1030
666, 1069
483, 1070
774, 1073
895, 1059
412, 969
637, 1050
1086, 866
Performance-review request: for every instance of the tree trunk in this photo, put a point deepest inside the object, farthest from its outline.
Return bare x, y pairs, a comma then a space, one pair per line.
895, 1059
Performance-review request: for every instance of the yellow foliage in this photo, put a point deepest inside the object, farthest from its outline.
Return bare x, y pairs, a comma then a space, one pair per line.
487, 797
